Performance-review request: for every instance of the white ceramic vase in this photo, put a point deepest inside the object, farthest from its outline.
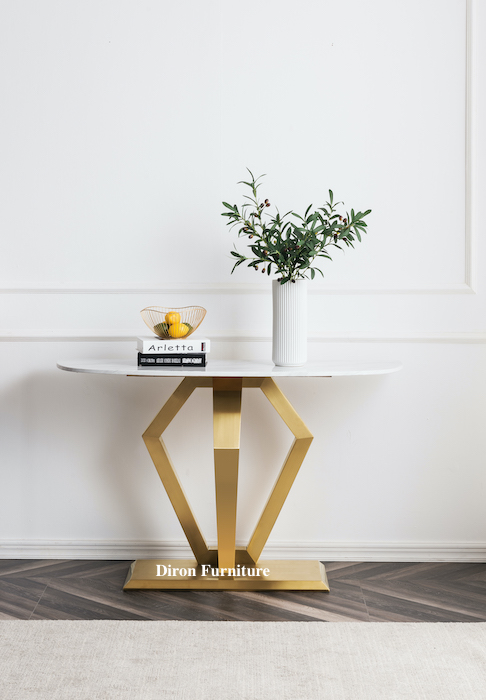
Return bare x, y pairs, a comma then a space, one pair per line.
289, 339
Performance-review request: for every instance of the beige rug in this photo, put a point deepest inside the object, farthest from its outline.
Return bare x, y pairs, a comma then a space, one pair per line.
105, 660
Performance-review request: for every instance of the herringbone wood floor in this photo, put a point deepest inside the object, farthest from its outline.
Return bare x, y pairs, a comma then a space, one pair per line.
92, 590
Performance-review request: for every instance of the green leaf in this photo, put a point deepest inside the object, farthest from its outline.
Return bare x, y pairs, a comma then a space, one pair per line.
236, 265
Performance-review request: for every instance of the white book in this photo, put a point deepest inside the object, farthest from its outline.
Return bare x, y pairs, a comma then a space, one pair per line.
171, 346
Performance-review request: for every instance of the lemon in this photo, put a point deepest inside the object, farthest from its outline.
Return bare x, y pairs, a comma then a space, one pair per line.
178, 330
172, 317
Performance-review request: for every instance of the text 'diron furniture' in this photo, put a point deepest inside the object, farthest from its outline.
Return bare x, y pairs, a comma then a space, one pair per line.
228, 566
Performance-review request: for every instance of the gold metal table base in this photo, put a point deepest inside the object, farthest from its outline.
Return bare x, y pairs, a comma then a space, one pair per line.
226, 423
268, 575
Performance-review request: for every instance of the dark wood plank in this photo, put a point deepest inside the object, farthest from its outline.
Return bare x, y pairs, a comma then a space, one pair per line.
361, 591
19, 598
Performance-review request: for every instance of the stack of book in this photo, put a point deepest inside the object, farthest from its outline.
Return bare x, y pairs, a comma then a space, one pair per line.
153, 352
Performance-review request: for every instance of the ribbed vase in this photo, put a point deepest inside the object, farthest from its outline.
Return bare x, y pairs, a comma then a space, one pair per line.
289, 339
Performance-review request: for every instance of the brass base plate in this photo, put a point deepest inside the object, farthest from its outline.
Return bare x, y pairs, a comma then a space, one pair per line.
296, 575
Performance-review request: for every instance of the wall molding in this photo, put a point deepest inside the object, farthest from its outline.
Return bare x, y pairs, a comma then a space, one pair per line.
245, 289
470, 270
102, 336
324, 551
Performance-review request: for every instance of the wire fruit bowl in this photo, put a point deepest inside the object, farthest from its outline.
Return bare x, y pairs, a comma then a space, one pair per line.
170, 322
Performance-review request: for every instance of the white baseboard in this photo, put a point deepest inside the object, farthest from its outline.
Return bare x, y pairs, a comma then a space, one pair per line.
324, 551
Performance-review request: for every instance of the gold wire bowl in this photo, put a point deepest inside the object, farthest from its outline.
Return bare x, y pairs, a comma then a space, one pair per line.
169, 322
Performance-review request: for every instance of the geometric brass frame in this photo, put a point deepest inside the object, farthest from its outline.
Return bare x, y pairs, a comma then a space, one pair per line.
227, 393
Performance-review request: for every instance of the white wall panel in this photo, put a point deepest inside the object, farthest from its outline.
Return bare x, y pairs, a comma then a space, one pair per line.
128, 122
397, 458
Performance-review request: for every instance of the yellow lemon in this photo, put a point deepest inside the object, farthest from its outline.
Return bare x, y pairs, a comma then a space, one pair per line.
178, 330
173, 317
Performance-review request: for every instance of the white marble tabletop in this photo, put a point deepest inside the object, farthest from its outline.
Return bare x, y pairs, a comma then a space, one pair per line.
235, 368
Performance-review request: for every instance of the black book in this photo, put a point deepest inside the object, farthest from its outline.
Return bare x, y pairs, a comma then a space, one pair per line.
151, 360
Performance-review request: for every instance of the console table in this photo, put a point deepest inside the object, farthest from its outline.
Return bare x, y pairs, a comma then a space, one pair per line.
228, 567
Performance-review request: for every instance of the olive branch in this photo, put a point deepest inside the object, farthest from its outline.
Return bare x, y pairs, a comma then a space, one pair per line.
286, 247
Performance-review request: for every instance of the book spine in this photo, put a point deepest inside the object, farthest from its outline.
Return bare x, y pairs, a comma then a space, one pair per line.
172, 347
178, 360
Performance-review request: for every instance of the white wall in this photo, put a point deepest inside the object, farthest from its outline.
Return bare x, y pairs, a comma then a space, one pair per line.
124, 125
